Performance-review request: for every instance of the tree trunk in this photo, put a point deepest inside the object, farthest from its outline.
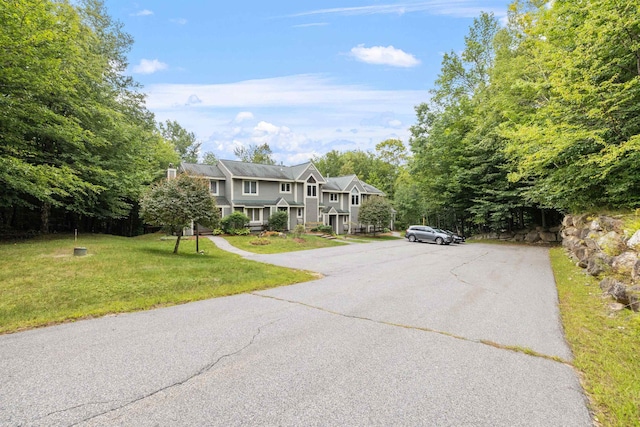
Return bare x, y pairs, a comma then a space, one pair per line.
175, 249
45, 211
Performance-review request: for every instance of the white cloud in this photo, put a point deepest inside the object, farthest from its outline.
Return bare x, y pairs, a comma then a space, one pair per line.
149, 66
384, 56
243, 116
313, 24
456, 8
144, 12
179, 21
298, 116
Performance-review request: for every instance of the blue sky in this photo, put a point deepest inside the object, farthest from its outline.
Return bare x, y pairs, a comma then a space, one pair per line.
305, 77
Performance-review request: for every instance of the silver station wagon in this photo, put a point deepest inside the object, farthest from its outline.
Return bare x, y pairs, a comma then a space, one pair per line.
423, 233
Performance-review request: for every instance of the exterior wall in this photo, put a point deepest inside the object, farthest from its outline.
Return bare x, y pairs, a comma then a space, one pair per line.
311, 211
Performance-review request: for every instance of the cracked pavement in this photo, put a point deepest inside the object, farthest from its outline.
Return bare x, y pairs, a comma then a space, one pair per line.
395, 333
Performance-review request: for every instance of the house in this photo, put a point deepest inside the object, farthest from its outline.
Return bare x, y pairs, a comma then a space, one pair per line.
260, 190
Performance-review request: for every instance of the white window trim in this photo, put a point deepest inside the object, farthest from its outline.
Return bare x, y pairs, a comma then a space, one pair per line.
300, 213
333, 197
252, 221
356, 193
217, 192
251, 194
285, 191
314, 192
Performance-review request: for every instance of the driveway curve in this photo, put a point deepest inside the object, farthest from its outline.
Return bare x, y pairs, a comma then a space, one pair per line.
395, 333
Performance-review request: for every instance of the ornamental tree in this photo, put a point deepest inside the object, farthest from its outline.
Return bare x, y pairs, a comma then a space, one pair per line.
375, 211
174, 203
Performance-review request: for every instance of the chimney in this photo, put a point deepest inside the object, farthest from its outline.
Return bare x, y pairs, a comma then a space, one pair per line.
171, 172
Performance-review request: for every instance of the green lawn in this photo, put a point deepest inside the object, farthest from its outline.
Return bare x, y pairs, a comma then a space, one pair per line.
605, 344
279, 244
42, 283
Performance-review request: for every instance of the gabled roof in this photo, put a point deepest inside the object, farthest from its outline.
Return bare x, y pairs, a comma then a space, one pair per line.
203, 170
339, 183
370, 189
257, 170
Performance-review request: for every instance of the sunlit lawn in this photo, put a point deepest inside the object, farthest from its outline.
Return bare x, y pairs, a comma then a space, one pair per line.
278, 244
605, 344
41, 282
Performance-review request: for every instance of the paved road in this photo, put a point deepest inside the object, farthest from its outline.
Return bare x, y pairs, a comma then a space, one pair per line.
396, 333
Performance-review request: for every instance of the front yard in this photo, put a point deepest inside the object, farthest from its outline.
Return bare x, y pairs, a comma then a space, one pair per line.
42, 283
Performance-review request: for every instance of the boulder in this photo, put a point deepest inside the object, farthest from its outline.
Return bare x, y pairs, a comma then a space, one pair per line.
505, 235
598, 263
548, 236
582, 253
633, 295
625, 262
611, 224
519, 237
532, 237
567, 221
570, 231
611, 243
635, 272
595, 225
555, 229
571, 243
634, 241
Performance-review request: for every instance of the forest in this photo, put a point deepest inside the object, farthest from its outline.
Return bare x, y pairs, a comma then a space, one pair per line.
538, 116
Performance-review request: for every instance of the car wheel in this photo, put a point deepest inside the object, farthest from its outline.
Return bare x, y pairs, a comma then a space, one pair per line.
439, 240
412, 238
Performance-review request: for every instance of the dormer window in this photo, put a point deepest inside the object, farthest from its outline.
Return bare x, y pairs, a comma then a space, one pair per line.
355, 197
312, 187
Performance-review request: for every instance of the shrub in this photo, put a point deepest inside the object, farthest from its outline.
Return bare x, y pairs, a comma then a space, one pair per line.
323, 229
217, 231
244, 231
298, 231
259, 241
236, 220
278, 221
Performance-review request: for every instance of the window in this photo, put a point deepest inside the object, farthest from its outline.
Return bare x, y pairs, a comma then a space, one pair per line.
355, 198
249, 187
285, 187
312, 188
213, 186
254, 214
299, 212
333, 197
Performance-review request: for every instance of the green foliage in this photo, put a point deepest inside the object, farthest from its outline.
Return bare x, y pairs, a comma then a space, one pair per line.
76, 136
323, 229
298, 231
279, 221
255, 154
209, 158
244, 231
237, 220
260, 241
184, 142
375, 211
175, 203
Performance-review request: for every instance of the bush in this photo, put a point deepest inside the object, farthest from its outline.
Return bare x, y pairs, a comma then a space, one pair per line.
244, 231
235, 221
278, 221
298, 231
217, 231
323, 229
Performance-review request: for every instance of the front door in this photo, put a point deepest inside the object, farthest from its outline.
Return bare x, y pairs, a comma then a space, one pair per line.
332, 223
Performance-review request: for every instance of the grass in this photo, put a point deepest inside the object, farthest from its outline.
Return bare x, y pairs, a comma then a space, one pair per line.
42, 283
605, 344
279, 244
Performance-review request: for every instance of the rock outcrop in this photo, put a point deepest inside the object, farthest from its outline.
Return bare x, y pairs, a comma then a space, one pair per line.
601, 247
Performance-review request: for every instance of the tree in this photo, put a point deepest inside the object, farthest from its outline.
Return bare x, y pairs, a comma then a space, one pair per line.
175, 203
78, 141
255, 154
183, 141
209, 158
376, 211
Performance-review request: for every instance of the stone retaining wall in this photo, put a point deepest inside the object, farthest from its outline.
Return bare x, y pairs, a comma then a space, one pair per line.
539, 235
601, 246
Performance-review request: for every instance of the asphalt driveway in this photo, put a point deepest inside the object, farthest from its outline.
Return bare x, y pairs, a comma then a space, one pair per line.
395, 333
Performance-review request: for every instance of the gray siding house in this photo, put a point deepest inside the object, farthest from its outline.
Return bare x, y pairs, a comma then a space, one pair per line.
301, 191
